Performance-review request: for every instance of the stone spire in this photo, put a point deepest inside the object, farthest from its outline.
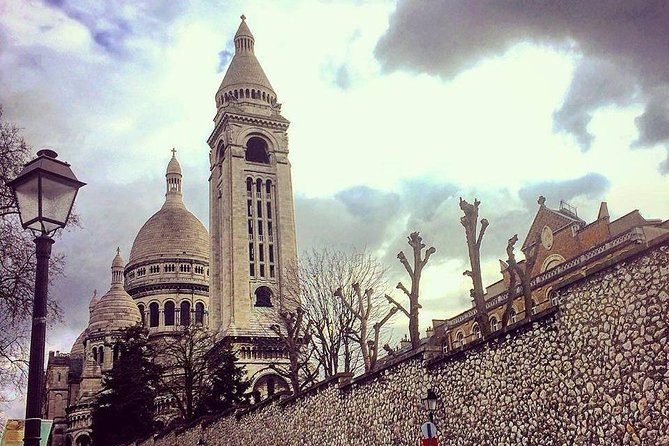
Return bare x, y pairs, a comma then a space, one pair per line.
94, 301
245, 80
173, 178
117, 270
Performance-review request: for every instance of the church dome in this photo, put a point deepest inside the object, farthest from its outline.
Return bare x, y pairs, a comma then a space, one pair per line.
78, 346
116, 310
173, 231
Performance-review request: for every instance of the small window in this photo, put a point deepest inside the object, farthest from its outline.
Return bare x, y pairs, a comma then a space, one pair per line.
513, 317
269, 210
185, 313
263, 296
199, 313
552, 295
271, 271
476, 331
494, 323
153, 314
140, 307
461, 339
169, 313
256, 151
534, 307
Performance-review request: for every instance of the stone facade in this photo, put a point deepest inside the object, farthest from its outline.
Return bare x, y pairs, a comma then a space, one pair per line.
590, 371
251, 215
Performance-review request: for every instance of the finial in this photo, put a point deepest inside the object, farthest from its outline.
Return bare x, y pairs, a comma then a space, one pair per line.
541, 200
174, 152
95, 292
243, 17
118, 250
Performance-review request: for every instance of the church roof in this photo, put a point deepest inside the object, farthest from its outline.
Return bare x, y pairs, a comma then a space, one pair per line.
244, 68
171, 232
116, 309
173, 167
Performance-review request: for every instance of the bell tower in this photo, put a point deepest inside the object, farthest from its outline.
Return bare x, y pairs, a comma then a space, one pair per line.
252, 221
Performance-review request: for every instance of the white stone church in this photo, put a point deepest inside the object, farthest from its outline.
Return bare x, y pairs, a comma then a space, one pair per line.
178, 274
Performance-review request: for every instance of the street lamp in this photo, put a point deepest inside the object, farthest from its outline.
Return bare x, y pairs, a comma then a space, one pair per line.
430, 403
44, 191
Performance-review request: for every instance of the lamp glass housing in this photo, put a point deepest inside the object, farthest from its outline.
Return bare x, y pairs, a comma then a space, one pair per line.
45, 191
430, 401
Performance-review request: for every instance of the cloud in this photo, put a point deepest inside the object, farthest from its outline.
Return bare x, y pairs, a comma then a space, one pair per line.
224, 58
342, 77
592, 186
623, 44
110, 27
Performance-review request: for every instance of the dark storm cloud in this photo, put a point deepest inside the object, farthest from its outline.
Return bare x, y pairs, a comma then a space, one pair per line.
592, 185
624, 43
109, 28
596, 83
355, 217
111, 215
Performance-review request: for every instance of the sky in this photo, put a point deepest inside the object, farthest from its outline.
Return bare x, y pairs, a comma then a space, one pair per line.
397, 109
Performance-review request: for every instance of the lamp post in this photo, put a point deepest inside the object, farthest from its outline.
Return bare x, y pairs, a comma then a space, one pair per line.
44, 191
429, 429
430, 403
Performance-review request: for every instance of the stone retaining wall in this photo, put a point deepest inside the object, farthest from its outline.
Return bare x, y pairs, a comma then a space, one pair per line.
591, 372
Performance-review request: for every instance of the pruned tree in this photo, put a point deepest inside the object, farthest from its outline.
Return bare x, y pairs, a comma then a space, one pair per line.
474, 238
524, 275
128, 393
415, 272
363, 309
311, 284
192, 365
294, 333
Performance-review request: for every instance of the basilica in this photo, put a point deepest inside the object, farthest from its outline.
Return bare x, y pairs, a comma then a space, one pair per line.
179, 274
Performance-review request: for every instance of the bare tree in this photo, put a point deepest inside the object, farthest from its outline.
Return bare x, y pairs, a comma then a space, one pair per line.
363, 312
333, 324
17, 266
193, 364
415, 272
524, 274
293, 332
470, 223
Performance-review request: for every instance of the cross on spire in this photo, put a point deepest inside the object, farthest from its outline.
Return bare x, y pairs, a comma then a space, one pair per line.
243, 17
174, 152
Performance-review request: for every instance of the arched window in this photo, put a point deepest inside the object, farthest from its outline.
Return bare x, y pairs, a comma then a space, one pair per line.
256, 150
169, 313
494, 323
153, 314
460, 339
117, 352
248, 94
185, 313
140, 307
513, 316
95, 354
553, 297
476, 331
263, 297
101, 355
199, 313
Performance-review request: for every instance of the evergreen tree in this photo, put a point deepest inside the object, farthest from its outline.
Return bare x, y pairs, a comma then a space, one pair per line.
228, 384
125, 408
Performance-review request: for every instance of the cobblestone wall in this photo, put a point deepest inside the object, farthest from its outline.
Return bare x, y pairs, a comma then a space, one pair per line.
594, 372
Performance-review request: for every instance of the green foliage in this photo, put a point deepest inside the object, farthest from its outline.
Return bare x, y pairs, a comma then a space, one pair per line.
125, 408
228, 385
